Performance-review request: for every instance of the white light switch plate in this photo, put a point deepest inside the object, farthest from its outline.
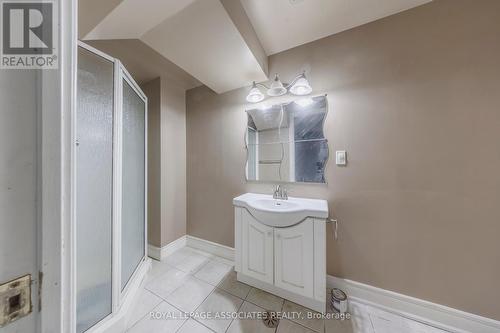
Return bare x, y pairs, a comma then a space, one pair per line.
341, 157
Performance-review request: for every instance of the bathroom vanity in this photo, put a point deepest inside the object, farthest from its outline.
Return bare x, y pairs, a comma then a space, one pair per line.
281, 247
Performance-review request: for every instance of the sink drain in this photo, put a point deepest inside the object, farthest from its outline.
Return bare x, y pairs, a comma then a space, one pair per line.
270, 319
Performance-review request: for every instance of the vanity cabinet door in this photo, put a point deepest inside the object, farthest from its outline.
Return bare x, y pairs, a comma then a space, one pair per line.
257, 249
294, 252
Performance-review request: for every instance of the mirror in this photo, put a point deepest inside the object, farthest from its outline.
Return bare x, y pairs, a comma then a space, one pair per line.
286, 143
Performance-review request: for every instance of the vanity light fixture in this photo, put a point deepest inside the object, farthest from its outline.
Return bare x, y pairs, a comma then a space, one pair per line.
277, 88
299, 86
255, 95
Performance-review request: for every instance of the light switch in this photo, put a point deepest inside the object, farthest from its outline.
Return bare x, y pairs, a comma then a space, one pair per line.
341, 157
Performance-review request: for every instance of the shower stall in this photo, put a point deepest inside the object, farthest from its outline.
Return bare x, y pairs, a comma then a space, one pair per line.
110, 188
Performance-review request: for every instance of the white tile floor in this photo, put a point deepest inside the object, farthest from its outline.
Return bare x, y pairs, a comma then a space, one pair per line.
191, 281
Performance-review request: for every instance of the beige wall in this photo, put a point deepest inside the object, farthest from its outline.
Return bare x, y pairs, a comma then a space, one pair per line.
173, 160
167, 161
152, 90
143, 62
415, 100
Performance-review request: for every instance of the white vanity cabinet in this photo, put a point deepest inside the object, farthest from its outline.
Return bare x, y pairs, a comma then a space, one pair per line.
257, 258
285, 254
294, 258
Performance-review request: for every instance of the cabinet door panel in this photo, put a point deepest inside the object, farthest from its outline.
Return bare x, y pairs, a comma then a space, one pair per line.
257, 249
294, 251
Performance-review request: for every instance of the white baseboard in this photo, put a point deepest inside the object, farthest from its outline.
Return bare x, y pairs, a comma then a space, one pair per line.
428, 313
211, 247
163, 252
432, 314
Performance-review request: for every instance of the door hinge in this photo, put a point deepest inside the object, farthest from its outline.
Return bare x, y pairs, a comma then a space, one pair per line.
40, 279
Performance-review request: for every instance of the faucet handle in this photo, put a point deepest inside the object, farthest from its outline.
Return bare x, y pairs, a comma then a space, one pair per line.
276, 192
285, 194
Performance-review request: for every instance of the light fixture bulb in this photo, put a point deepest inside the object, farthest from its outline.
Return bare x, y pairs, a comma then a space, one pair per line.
301, 86
277, 88
255, 95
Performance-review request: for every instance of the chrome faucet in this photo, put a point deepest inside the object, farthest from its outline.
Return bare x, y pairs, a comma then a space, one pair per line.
280, 193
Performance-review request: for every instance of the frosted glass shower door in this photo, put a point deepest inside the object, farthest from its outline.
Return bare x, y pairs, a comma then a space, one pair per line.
133, 213
94, 188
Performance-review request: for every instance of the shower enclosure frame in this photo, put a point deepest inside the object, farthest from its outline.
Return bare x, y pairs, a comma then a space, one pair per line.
120, 299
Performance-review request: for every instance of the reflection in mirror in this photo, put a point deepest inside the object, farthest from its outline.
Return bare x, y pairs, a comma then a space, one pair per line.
286, 142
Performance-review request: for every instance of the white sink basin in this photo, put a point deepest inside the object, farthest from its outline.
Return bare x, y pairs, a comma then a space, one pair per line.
281, 213
272, 205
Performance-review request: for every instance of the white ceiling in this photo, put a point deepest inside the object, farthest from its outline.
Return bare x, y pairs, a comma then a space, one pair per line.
204, 41
199, 36
225, 43
284, 24
133, 18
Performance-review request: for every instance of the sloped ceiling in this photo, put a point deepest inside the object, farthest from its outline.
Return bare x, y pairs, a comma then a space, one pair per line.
284, 24
224, 44
199, 36
144, 63
92, 12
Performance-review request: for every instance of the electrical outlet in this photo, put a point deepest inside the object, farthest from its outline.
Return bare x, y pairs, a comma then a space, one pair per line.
15, 299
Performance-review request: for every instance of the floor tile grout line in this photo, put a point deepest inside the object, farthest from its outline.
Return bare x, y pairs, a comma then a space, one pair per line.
145, 315
183, 282
204, 255
309, 328
279, 323
230, 293
201, 267
212, 259
225, 278
210, 293
188, 275
204, 301
237, 311
215, 285
191, 273
159, 275
137, 322
244, 300
199, 322
211, 330
257, 305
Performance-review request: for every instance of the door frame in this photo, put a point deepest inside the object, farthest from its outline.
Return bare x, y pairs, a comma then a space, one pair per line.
57, 105
123, 74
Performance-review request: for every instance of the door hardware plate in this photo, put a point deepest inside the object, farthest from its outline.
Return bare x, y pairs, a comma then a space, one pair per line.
15, 299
